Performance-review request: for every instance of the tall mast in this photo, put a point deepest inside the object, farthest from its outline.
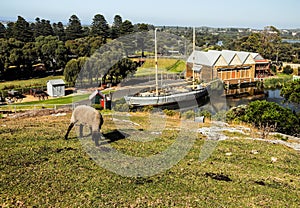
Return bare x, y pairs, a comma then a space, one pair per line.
194, 47
156, 67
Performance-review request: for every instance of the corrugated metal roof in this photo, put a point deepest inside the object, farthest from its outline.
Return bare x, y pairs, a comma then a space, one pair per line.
56, 82
211, 57
228, 55
199, 57
243, 55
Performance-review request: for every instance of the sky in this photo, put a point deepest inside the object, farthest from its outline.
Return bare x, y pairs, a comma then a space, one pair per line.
254, 14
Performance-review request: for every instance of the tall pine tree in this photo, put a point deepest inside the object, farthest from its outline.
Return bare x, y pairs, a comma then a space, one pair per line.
2, 30
116, 29
22, 30
74, 29
100, 26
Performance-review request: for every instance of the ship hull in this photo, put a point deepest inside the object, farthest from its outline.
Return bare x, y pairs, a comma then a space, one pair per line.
177, 100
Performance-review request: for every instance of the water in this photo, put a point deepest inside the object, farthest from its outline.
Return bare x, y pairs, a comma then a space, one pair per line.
274, 96
255, 94
290, 41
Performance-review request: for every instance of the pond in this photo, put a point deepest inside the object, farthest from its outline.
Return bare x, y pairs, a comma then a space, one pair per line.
254, 94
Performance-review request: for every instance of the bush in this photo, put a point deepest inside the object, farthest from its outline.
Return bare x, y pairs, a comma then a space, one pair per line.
288, 69
220, 116
121, 107
148, 108
97, 106
269, 115
189, 114
170, 113
204, 113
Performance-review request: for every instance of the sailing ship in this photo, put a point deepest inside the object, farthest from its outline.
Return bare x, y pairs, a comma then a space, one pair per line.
171, 97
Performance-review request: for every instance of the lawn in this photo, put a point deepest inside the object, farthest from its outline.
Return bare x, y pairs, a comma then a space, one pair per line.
19, 84
40, 169
169, 66
49, 103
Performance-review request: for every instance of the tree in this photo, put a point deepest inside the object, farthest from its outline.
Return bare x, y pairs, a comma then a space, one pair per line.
288, 69
127, 27
99, 26
42, 27
120, 70
74, 29
9, 30
2, 30
116, 29
142, 27
58, 30
22, 30
267, 43
72, 70
51, 51
291, 91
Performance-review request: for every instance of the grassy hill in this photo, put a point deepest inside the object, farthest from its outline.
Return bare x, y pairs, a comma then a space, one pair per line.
39, 168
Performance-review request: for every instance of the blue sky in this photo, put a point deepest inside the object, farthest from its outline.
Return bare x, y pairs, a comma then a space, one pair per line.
213, 13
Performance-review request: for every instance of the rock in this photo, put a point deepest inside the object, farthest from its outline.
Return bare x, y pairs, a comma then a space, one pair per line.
273, 159
254, 152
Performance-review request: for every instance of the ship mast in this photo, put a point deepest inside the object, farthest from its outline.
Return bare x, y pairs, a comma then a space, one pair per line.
194, 47
156, 67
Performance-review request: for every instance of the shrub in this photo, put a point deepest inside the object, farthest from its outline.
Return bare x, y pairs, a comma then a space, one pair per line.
204, 113
97, 106
169, 112
121, 107
288, 69
189, 114
148, 108
270, 116
220, 116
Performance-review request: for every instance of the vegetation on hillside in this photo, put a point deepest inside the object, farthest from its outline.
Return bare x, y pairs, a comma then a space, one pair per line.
39, 168
291, 91
267, 116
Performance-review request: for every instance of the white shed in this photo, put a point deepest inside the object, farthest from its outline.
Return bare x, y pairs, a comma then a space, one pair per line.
56, 88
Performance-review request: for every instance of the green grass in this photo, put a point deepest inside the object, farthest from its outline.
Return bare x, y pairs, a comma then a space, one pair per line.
39, 168
165, 65
50, 103
277, 82
19, 84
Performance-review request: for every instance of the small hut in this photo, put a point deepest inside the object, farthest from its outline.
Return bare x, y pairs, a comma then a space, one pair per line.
97, 97
56, 88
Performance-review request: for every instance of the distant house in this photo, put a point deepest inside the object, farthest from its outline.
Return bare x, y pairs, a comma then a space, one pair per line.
56, 88
97, 97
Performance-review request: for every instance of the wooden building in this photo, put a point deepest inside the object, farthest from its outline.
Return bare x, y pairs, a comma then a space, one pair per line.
97, 97
56, 88
232, 67
262, 66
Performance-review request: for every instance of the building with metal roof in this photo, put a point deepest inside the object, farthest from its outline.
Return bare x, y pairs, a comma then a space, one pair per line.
56, 88
232, 67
